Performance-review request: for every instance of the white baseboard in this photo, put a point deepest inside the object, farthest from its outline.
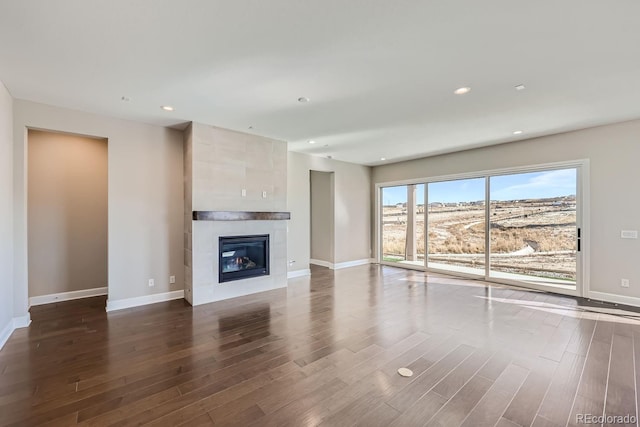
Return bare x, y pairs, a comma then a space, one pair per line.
67, 296
354, 263
22, 321
299, 273
321, 263
339, 265
15, 323
113, 305
619, 299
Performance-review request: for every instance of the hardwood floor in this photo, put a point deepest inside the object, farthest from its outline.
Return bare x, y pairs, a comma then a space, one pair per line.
325, 352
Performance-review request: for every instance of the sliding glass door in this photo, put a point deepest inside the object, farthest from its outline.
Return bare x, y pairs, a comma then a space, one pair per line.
533, 223
521, 228
403, 224
456, 225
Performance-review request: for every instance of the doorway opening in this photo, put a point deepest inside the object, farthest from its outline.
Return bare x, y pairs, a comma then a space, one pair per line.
67, 216
322, 219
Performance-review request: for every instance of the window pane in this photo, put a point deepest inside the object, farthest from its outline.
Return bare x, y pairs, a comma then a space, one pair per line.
533, 227
403, 224
456, 223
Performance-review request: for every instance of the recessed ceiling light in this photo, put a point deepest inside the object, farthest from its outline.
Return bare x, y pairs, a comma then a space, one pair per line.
383, 158
462, 90
303, 99
167, 107
518, 132
311, 141
520, 87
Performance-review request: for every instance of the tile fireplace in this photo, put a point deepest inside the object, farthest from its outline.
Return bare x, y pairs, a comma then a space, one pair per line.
235, 236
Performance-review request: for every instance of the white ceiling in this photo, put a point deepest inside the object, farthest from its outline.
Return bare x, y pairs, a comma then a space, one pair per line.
380, 74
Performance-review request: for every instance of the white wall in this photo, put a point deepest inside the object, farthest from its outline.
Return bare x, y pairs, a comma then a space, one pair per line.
6, 215
67, 187
322, 216
613, 152
352, 204
145, 200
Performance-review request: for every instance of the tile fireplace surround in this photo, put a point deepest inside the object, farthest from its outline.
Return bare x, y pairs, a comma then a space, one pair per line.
235, 185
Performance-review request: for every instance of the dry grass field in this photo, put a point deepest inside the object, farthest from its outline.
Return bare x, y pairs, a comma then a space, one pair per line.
536, 237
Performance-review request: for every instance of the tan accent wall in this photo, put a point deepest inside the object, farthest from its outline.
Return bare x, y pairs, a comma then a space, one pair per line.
322, 216
67, 210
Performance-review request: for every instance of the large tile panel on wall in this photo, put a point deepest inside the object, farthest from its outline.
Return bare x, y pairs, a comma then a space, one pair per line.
226, 162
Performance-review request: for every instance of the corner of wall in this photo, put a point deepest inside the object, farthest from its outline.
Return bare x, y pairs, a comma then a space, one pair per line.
7, 223
5, 333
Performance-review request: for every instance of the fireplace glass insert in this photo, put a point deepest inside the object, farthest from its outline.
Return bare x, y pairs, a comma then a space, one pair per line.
242, 257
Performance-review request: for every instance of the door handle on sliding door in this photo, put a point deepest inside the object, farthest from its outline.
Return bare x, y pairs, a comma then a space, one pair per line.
579, 239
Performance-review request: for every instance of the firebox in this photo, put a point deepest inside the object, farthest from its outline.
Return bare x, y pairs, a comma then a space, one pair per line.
242, 257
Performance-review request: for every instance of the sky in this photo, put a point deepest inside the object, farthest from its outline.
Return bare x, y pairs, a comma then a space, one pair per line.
532, 185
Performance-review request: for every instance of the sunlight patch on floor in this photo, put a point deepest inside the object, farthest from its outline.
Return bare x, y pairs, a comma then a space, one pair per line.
579, 312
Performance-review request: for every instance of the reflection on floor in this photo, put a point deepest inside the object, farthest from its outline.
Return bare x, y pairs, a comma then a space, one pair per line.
535, 280
325, 351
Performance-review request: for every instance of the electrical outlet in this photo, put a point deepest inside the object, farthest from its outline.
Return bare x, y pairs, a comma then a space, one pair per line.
624, 283
629, 234
152, 282
172, 279
244, 192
